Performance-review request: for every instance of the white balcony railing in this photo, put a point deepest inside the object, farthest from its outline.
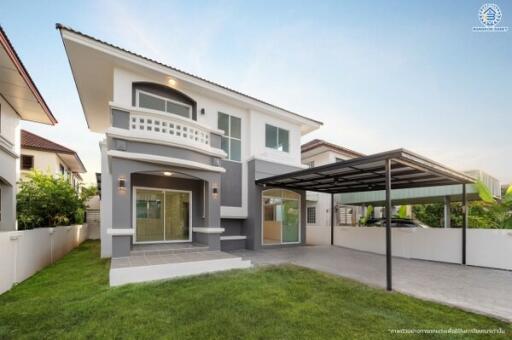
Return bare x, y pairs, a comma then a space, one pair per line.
166, 127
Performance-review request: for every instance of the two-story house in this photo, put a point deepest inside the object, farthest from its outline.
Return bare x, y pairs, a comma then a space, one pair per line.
181, 155
19, 100
49, 157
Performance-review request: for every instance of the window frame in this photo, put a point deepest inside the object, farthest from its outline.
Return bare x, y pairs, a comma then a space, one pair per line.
228, 135
308, 215
279, 129
22, 157
165, 99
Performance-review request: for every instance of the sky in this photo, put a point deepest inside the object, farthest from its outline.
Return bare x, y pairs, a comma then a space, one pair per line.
381, 75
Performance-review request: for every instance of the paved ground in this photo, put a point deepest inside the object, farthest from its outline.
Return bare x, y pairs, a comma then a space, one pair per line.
481, 290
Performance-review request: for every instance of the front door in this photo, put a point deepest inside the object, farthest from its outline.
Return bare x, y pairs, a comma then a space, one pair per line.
162, 215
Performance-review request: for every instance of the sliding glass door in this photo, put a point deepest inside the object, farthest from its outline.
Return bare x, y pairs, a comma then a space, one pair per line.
281, 217
162, 215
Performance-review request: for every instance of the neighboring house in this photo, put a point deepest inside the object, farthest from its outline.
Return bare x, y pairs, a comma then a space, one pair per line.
19, 100
49, 157
318, 207
181, 154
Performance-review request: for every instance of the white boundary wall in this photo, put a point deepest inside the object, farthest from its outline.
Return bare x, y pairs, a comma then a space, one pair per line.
484, 247
23, 253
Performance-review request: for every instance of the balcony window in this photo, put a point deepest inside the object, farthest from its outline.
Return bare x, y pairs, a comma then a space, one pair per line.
231, 142
277, 138
154, 102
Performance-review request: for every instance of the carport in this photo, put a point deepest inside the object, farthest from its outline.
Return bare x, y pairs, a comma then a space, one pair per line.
396, 169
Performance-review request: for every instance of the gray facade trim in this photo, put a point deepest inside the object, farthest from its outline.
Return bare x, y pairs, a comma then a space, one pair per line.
162, 150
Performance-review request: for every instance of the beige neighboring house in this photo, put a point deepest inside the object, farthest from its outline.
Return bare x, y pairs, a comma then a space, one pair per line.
44, 155
318, 205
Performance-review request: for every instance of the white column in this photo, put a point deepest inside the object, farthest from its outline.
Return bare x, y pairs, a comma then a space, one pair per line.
447, 212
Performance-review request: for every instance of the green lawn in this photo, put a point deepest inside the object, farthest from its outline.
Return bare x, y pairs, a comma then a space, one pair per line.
71, 299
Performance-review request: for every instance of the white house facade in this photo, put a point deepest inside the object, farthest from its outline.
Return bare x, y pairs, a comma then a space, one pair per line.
181, 155
19, 100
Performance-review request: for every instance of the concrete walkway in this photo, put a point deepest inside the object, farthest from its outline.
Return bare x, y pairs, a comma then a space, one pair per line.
484, 291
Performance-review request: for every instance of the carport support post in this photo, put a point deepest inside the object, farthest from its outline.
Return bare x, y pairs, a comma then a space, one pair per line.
332, 219
464, 221
389, 285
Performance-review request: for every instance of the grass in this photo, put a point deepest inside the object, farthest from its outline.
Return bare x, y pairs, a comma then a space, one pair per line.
72, 299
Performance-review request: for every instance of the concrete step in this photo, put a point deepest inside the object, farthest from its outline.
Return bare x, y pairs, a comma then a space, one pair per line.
167, 249
173, 266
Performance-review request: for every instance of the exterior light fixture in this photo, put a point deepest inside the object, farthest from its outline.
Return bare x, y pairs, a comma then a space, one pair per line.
215, 191
122, 183
167, 173
203, 111
171, 82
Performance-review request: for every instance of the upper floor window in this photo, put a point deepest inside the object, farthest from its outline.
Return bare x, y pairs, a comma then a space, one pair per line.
277, 138
231, 142
27, 162
62, 169
154, 102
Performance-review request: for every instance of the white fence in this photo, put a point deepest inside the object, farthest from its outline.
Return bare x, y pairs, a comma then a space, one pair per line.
23, 253
484, 247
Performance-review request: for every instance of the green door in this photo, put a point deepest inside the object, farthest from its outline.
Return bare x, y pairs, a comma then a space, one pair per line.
290, 222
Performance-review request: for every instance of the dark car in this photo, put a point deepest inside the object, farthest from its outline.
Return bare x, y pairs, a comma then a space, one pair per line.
396, 223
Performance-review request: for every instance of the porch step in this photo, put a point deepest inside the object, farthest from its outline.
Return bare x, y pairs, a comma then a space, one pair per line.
167, 249
135, 269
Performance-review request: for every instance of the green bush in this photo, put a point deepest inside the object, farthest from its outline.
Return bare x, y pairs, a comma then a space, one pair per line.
46, 200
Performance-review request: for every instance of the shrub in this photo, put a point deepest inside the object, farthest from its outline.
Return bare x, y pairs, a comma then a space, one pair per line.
46, 200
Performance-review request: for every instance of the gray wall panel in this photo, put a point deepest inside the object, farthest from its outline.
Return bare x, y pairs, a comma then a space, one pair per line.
120, 119
231, 184
232, 226
253, 224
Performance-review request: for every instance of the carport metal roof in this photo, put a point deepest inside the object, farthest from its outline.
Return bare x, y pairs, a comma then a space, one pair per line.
368, 173
396, 169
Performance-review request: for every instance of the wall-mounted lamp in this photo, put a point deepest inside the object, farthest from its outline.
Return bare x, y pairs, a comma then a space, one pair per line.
171, 82
215, 191
122, 183
167, 173
203, 111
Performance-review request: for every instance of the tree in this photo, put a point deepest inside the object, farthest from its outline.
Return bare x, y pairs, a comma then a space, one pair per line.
498, 213
486, 213
88, 192
45, 200
368, 214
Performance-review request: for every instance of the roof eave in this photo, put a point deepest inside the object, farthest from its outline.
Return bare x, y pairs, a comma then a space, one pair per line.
13, 55
307, 124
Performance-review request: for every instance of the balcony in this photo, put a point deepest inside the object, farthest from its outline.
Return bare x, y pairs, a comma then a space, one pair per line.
168, 129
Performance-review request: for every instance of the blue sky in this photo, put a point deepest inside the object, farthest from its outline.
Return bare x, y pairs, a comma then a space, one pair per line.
380, 75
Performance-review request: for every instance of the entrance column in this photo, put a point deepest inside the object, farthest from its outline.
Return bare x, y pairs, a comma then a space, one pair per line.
210, 230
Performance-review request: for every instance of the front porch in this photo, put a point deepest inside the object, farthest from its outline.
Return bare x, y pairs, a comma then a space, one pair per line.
167, 261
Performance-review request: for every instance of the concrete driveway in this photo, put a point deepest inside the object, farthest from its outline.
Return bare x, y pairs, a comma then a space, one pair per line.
481, 290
